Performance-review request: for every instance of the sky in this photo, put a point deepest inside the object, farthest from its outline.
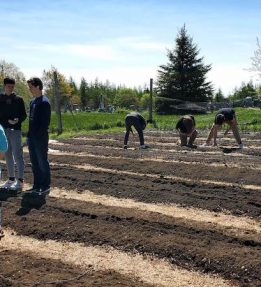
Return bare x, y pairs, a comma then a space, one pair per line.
125, 41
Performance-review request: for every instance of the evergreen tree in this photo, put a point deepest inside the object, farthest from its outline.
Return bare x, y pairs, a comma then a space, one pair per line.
184, 76
219, 96
246, 90
83, 92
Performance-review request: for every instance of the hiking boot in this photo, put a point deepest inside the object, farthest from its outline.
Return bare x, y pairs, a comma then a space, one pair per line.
18, 186
7, 184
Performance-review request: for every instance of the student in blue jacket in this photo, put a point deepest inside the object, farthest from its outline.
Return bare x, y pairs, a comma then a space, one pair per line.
37, 137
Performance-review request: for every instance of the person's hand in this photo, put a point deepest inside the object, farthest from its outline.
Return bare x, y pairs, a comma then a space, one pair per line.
13, 122
226, 132
1, 234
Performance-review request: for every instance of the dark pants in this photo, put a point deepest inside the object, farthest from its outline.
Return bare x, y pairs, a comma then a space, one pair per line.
38, 150
133, 121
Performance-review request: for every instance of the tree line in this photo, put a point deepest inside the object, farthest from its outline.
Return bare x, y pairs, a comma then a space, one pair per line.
182, 78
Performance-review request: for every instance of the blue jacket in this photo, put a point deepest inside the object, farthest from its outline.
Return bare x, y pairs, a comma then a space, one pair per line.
3, 140
39, 118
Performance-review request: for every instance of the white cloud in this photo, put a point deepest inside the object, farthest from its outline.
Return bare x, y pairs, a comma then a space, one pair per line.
102, 52
228, 77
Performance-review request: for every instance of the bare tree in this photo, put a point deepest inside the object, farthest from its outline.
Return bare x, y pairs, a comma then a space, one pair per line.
256, 60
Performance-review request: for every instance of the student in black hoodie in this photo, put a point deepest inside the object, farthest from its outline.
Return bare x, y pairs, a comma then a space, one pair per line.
139, 123
39, 120
12, 114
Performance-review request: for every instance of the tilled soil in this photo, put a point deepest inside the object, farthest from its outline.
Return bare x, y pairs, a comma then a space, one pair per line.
132, 175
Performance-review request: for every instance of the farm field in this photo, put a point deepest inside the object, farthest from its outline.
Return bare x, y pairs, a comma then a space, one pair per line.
165, 216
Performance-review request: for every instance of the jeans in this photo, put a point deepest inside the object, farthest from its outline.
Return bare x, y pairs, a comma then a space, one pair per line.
14, 154
38, 150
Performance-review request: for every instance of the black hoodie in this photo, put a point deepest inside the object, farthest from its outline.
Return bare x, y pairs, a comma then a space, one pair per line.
11, 107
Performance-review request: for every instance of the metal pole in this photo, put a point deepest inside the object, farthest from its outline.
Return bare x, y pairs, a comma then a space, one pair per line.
58, 103
151, 103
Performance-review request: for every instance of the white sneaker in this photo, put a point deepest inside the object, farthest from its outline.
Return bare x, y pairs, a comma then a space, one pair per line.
240, 146
7, 184
17, 186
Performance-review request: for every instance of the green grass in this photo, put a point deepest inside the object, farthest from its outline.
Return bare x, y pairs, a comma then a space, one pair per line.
94, 122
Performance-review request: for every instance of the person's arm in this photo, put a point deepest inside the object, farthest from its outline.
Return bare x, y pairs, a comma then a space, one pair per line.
227, 130
44, 116
213, 134
22, 112
3, 141
215, 130
178, 125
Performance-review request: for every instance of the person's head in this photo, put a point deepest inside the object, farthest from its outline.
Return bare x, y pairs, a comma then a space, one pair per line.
9, 84
220, 118
35, 86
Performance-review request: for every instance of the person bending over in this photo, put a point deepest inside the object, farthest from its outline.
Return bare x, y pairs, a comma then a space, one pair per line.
187, 131
139, 123
224, 116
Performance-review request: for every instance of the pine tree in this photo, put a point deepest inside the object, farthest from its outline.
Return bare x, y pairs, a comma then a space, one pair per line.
219, 96
184, 76
83, 92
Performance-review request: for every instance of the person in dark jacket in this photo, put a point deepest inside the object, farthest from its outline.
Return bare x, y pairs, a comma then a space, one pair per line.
224, 116
187, 131
37, 138
12, 114
139, 123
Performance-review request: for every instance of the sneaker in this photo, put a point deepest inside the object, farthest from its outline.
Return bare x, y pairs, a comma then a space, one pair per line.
7, 184
240, 146
44, 191
18, 186
125, 146
31, 191
144, 146
191, 146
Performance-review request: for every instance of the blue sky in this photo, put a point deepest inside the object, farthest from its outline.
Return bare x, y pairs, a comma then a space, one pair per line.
126, 41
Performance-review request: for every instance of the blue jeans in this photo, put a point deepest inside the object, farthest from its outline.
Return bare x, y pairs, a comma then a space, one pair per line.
38, 150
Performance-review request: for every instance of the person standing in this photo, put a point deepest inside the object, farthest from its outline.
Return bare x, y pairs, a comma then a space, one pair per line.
187, 131
12, 114
227, 116
3, 148
37, 138
139, 123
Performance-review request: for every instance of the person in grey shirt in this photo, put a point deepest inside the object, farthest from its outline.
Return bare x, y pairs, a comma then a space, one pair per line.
137, 121
224, 116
